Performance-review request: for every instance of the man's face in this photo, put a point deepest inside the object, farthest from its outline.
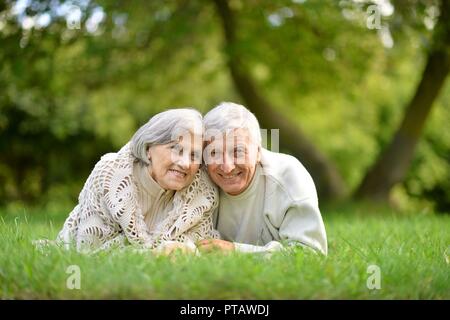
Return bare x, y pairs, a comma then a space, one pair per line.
231, 160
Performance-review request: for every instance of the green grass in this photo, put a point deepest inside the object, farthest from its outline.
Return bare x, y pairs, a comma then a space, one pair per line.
412, 251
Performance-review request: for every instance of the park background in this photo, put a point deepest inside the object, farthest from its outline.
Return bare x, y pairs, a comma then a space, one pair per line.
357, 89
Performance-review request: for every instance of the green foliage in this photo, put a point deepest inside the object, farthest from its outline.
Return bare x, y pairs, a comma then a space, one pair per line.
70, 95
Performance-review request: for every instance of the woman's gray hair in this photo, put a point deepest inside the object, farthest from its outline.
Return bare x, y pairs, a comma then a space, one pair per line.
229, 116
164, 128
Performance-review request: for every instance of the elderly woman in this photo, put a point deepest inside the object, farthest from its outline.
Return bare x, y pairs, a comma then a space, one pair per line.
150, 193
267, 200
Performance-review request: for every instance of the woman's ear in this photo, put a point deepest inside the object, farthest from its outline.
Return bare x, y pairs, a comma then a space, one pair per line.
149, 157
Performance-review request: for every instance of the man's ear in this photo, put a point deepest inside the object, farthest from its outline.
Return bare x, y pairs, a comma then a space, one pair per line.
258, 155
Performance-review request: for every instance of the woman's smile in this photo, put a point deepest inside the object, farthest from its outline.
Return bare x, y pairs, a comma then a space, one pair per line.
178, 174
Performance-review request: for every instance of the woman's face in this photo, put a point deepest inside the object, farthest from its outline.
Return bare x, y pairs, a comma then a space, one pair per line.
174, 165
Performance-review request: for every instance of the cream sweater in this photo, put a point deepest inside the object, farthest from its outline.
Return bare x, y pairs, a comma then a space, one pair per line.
280, 204
121, 204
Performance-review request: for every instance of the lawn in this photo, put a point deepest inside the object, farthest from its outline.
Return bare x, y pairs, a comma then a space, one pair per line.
412, 253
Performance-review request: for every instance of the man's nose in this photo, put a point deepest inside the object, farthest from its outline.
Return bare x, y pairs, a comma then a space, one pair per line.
228, 164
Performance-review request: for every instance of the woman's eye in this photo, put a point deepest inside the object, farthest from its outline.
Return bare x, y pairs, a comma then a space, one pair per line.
213, 153
177, 148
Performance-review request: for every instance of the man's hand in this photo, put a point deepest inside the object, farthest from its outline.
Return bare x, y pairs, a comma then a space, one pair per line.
215, 245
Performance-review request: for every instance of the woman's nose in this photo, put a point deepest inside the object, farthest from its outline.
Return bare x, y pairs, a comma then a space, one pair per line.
183, 162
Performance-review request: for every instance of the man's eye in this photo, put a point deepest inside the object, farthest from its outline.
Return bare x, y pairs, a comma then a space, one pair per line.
239, 152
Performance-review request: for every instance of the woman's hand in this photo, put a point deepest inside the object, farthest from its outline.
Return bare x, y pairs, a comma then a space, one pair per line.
170, 247
215, 245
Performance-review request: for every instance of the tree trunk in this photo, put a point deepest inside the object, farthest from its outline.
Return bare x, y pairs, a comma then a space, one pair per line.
392, 165
326, 177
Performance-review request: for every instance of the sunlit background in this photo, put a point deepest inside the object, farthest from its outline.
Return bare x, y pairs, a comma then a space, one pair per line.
77, 78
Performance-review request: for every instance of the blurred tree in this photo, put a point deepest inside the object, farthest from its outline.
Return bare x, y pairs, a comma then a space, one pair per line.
393, 163
328, 180
73, 90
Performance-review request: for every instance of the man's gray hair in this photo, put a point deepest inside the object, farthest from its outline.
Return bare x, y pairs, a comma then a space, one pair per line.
228, 116
163, 128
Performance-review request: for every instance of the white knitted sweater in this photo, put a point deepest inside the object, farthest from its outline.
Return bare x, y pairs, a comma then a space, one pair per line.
109, 214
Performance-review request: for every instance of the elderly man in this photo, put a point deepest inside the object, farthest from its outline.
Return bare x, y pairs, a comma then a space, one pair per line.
267, 200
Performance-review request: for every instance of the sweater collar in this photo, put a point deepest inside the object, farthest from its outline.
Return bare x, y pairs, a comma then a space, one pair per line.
144, 178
